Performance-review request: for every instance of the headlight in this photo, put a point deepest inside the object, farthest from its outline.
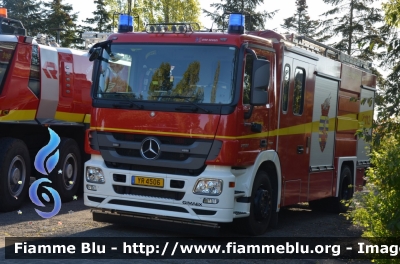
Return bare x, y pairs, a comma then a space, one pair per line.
94, 175
208, 187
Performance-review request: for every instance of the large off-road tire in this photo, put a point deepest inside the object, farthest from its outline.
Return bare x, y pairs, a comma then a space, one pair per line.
262, 206
15, 168
346, 192
67, 175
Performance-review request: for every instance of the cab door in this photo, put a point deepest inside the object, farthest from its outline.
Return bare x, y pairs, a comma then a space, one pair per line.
294, 127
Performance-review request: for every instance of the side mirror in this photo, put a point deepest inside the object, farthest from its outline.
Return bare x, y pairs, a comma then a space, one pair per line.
260, 82
95, 54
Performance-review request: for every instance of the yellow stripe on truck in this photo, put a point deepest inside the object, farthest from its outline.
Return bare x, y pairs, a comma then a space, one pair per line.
70, 117
87, 119
17, 115
345, 122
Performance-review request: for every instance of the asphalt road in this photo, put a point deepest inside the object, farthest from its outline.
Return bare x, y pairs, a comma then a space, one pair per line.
75, 220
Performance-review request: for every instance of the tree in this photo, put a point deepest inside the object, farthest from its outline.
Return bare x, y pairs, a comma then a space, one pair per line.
354, 22
300, 22
392, 12
388, 99
60, 16
29, 12
102, 18
253, 20
157, 11
377, 210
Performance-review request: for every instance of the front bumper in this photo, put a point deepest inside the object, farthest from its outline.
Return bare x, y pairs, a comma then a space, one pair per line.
179, 203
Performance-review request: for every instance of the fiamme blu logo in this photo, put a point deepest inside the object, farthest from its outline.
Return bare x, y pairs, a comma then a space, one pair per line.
45, 161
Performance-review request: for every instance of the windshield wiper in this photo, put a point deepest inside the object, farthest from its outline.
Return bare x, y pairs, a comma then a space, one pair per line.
129, 104
186, 98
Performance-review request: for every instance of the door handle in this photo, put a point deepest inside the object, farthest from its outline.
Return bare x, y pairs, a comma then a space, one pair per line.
300, 149
263, 143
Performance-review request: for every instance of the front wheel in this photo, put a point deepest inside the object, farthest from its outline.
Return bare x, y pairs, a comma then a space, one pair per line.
67, 175
14, 173
263, 206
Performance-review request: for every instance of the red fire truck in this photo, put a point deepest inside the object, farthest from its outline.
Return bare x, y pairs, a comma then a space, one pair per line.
211, 127
41, 87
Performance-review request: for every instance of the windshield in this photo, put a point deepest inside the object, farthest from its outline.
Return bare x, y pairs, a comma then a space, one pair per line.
168, 73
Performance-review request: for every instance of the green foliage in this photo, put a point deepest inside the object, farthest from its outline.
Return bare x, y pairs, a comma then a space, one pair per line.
61, 16
256, 20
102, 18
155, 11
300, 22
392, 12
377, 210
355, 22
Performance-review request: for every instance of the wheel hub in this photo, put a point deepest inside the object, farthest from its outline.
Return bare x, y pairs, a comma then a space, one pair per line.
15, 175
69, 171
262, 204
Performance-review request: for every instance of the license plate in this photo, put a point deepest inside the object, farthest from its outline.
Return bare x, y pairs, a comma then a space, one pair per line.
145, 181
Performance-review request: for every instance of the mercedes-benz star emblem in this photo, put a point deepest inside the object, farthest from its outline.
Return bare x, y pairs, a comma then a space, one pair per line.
150, 148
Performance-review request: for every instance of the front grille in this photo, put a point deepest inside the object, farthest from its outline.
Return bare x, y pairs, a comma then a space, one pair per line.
164, 155
179, 156
164, 194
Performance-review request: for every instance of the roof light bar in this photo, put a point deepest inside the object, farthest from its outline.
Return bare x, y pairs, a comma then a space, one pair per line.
171, 28
236, 23
125, 23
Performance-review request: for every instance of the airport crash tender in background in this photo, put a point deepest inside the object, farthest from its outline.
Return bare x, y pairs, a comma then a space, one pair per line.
41, 87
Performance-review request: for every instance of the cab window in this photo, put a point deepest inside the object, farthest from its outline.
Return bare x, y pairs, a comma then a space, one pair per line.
298, 91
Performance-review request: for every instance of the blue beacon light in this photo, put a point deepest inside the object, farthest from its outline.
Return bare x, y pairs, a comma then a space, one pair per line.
125, 23
236, 23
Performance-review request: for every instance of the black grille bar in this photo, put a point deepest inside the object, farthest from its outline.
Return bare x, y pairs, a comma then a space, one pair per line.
149, 192
149, 205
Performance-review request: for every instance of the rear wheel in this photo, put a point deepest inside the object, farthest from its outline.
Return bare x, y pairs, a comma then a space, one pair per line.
345, 191
67, 175
263, 206
337, 204
14, 173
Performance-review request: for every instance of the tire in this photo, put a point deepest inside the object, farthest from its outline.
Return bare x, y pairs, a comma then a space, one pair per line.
15, 169
263, 206
345, 191
69, 164
319, 205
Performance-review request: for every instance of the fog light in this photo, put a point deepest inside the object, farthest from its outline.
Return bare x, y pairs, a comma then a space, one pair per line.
91, 187
208, 187
95, 175
210, 200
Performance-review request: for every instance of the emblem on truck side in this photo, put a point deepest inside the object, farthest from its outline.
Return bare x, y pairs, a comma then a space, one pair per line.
150, 148
324, 123
50, 70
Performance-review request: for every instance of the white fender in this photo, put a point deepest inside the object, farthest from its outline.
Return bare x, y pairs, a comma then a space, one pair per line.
245, 177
